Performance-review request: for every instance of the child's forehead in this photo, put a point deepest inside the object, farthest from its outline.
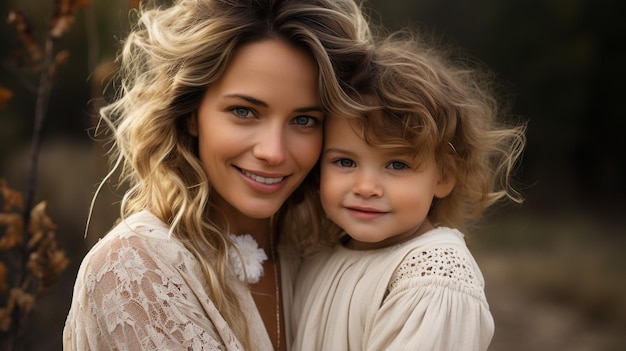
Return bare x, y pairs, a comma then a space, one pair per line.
409, 153
391, 141
406, 151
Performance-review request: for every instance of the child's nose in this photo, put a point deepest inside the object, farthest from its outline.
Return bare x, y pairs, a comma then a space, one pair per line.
367, 185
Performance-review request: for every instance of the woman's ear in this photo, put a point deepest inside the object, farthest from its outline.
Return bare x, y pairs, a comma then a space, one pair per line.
192, 124
445, 185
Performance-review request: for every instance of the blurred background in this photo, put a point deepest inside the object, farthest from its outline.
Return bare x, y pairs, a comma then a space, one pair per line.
554, 266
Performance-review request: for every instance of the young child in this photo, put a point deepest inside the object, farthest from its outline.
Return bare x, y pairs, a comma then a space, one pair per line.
402, 183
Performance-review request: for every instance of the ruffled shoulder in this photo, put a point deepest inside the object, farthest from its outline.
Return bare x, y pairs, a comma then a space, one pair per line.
444, 262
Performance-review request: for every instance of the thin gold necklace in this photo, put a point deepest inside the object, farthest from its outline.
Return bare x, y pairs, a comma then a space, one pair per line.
277, 286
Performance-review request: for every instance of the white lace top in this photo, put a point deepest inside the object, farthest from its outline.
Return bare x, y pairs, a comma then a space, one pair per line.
425, 294
137, 289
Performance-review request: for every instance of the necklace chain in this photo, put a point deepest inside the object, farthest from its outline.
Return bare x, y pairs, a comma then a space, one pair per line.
277, 286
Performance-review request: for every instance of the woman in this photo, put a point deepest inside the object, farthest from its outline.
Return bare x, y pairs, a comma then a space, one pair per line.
217, 125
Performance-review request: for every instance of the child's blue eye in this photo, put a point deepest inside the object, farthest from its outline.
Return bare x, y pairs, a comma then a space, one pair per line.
345, 162
397, 165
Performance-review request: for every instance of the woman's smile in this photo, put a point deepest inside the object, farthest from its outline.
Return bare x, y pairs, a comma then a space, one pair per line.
262, 179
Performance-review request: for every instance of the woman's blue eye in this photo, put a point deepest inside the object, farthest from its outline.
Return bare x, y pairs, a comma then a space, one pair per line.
345, 162
397, 165
241, 112
305, 121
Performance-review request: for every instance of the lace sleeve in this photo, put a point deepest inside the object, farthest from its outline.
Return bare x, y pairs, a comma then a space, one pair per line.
132, 299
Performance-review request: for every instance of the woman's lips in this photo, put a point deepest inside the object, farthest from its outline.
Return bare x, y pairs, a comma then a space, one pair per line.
261, 179
264, 183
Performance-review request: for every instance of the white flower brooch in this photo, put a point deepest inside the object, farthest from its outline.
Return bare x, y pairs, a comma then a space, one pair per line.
252, 258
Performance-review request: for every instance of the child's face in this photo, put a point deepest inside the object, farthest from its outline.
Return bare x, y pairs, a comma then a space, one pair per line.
380, 197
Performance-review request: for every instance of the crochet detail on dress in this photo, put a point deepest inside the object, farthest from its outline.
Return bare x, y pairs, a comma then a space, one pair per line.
448, 264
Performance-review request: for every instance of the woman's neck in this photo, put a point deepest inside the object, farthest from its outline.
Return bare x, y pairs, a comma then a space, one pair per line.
239, 223
259, 229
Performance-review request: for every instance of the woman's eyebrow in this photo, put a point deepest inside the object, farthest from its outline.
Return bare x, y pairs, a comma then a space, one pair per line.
248, 98
310, 109
258, 102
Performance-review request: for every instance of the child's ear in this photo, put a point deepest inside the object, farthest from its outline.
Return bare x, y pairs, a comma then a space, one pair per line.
445, 185
192, 124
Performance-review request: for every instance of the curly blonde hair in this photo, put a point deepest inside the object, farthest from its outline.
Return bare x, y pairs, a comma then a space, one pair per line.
167, 62
434, 105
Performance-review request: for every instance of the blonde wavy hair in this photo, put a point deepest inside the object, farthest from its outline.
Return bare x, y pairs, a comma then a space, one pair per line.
167, 62
435, 104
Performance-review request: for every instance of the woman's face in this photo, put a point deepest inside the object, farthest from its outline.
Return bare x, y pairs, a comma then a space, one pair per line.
259, 129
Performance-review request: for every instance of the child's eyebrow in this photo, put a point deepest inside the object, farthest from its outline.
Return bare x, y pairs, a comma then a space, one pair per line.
338, 150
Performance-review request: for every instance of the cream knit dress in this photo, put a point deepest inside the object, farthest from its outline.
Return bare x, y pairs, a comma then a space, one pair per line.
424, 294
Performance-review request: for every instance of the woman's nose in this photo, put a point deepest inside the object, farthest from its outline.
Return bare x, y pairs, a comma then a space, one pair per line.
270, 146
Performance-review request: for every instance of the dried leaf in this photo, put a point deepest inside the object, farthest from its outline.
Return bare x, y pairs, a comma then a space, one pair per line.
17, 20
62, 25
60, 59
11, 222
40, 223
5, 319
3, 277
82, 4
64, 15
35, 238
5, 96
23, 300
12, 198
13, 230
47, 263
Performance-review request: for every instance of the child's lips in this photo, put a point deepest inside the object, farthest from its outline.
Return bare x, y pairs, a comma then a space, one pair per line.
361, 212
364, 209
